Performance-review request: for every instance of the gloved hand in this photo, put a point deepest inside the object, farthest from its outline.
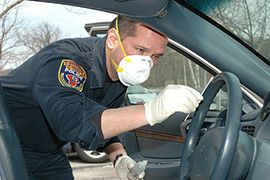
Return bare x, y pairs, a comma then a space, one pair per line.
172, 98
127, 168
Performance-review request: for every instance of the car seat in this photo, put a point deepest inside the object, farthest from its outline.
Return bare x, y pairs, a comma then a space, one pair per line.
12, 164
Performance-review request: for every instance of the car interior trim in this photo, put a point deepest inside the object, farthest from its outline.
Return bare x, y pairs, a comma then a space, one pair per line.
196, 56
252, 97
159, 136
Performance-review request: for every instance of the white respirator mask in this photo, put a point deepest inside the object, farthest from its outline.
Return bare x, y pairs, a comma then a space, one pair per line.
132, 69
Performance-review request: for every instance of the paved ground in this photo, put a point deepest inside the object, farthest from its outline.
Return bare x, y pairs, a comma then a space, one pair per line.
92, 171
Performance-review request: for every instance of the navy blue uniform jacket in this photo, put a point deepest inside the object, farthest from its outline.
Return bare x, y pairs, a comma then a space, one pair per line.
58, 95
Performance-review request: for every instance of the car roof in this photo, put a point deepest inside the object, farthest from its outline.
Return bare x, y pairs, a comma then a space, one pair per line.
123, 7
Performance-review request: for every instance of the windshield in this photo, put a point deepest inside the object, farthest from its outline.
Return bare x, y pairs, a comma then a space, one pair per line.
247, 19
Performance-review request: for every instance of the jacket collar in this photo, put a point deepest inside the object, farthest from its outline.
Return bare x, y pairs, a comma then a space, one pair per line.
98, 66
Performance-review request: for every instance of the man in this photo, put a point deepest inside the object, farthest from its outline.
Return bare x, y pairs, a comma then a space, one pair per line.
72, 90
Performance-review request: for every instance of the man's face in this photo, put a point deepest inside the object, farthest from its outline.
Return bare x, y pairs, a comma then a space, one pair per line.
145, 42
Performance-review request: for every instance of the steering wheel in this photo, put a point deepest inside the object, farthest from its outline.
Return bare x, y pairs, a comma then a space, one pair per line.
212, 156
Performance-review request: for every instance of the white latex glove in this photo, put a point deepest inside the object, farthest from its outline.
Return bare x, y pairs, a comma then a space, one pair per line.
173, 98
127, 168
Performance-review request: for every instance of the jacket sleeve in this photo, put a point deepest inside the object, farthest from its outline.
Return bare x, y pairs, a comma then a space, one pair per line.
72, 116
116, 103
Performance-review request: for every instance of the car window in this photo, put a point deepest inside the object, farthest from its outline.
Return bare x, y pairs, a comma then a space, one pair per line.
172, 68
175, 68
246, 19
139, 94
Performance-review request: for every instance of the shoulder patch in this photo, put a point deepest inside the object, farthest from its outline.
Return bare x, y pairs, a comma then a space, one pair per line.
70, 74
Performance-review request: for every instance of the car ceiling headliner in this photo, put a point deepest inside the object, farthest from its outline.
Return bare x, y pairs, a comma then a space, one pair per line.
135, 8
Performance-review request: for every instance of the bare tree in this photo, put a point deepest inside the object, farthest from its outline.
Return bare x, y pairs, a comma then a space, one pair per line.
264, 48
9, 27
17, 42
37, 37
8, 6
248, 19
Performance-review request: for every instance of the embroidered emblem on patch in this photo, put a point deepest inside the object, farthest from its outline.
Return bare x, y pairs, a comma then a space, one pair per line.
70, 74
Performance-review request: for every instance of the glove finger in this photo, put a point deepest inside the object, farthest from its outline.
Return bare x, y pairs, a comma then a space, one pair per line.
186, 108
195, 93
130, 163
130, 177
179, 100
141, 176
193, 102
193, 96
186, 105
180, 88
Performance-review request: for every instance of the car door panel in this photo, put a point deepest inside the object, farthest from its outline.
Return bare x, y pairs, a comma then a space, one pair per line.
161, 145
164, 140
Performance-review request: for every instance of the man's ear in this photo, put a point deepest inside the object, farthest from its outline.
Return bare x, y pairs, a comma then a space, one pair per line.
112, 40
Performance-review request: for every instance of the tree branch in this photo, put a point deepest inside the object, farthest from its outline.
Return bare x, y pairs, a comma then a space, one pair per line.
10, 7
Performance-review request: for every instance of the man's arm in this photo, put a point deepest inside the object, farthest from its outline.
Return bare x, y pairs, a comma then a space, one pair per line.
173, 98
119, 120
113, 150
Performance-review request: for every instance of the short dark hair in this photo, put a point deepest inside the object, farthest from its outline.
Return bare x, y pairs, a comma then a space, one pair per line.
126, 26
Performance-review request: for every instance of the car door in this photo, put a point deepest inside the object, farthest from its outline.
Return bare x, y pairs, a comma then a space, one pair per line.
162, 144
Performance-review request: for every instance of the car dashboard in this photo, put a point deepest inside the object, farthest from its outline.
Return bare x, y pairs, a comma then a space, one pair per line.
251, 121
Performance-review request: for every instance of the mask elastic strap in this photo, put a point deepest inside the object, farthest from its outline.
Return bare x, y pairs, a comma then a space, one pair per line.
118, 68
120, 42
